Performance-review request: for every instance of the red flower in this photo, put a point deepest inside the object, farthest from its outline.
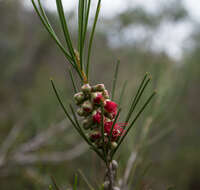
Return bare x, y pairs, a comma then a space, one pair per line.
87, 110
114, 114
117, 130
111, 107
97, 117
107, 127
98, 98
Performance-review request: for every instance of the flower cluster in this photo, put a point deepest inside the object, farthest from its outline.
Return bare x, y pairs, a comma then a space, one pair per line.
92, 100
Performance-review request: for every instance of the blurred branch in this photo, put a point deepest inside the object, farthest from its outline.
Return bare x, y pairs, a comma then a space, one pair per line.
9, 141
131, 160
26, 153
54, 157
42, 138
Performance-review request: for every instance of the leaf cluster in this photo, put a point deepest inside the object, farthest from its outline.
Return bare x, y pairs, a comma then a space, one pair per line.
78, 58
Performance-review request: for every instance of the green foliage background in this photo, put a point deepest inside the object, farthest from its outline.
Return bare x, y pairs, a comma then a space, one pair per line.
28, 58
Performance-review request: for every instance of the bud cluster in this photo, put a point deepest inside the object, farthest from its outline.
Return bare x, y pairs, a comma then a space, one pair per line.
91, 100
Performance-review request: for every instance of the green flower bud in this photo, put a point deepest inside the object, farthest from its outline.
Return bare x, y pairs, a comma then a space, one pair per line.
86, 88
98, 87
87, 123
113, 145
87, 135
106, 94
80, 112
79, 97
87, 106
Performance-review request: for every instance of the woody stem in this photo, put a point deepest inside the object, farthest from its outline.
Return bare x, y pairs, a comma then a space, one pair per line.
85, 79
110, 175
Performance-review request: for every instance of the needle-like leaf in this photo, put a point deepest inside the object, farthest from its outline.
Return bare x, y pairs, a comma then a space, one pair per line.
137, 97
81, 29
115, 79
85, 180
65, 28
52, 33
62, 105
73, 81
134, 120
44, 15
75, 186
87, 13
50, 30
92, 36
76, 121
122, 93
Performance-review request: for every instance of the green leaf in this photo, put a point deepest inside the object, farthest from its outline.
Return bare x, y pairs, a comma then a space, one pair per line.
134, 120
115, 79
76, 121
65, 28
87, 12
51, 32
44, 15
73, 82
137, 97
85, 180
92, 36
80, 29
122, 93
75, 186
61, 104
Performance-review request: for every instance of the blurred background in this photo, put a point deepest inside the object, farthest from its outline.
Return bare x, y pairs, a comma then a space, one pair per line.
160, 37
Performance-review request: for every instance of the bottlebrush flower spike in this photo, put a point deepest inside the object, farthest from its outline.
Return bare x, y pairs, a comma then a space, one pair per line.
91, 109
